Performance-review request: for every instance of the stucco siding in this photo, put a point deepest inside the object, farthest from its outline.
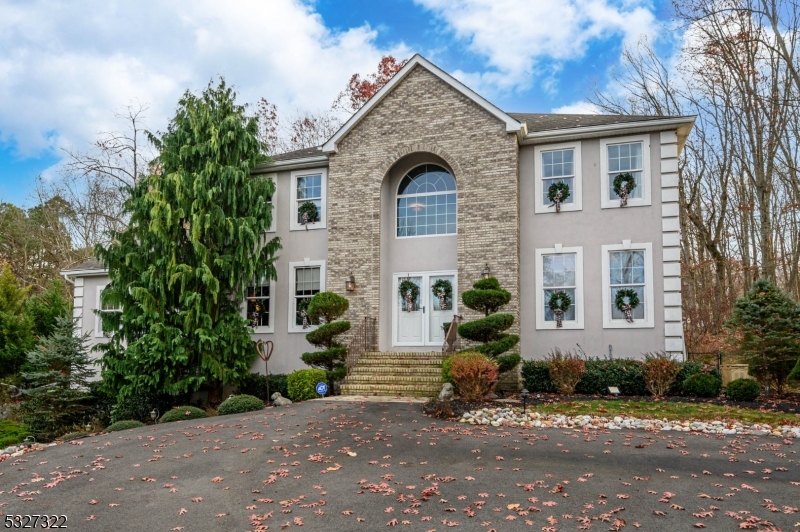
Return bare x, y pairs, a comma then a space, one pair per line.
589, 228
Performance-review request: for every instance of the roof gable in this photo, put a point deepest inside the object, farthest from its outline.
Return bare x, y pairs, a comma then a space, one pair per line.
512, 125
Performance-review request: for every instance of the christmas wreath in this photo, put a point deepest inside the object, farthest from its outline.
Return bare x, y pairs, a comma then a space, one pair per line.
559, 303
623, 186
409, 292
308, 213
558, 193
443, 290
627, 307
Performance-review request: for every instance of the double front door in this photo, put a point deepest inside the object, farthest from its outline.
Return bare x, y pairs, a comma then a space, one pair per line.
424, 303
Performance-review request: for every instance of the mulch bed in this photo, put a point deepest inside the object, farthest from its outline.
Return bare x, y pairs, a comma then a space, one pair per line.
787, 404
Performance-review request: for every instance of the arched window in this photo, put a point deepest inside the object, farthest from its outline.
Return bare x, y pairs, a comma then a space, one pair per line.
426, 202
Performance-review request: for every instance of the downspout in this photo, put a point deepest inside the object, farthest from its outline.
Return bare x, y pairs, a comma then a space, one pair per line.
67, 278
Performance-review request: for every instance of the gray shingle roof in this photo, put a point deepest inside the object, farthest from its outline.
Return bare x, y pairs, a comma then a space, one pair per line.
298, 154
548, 122
90, 264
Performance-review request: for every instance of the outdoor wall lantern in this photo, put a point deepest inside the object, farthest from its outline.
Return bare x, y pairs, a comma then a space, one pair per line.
350, 283
154, 415
486, 272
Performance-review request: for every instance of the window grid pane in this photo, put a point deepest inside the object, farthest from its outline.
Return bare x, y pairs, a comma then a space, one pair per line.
257, 299
309, 189
558, 274
307, 283
570, 181
625, 158
626, 270
426, 202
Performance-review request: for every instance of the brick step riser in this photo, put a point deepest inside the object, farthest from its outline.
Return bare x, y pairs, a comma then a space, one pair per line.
389, 390
396, 362
392, 379
397, 370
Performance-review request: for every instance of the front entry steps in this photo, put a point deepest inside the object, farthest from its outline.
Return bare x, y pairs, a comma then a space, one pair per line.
388, 373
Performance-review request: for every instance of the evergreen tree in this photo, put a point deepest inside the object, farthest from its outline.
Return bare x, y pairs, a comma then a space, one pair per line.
44, 308
56, 380
16, 329
327, 307
196, 237
766, 327
487, 296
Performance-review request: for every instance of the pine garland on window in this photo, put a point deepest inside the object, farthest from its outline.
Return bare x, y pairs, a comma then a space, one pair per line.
559, 303
623, 186
625, 301
409, 291
558, 193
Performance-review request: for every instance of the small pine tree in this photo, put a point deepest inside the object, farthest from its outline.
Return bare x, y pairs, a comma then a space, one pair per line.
487, 296
766, 327
56, 380
327, 307
16, 328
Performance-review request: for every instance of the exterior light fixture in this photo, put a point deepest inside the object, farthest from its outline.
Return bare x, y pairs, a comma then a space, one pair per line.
88, 427
613, 390
486, 272
350, 283
154, 415
524, 393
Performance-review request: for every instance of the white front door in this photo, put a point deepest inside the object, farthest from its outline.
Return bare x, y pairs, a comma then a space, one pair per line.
420, 314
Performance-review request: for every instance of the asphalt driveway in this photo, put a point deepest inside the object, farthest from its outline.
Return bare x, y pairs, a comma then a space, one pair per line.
350, 466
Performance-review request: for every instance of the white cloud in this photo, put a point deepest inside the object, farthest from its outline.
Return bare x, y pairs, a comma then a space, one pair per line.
516, 35
577, 108
66, 67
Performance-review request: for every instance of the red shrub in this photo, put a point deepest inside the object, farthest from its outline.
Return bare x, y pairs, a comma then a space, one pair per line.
566, 369
659, 372
474, 375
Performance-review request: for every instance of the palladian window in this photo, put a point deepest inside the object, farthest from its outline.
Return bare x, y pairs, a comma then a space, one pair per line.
426, 202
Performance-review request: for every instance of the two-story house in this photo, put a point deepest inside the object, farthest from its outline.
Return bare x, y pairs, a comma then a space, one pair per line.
429, 182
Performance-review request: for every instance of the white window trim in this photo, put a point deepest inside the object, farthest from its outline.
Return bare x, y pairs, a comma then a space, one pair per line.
605, 201
648, 320
98, 324
322, 223
577, 323
274, 225
271, 328
577, 195
300, 264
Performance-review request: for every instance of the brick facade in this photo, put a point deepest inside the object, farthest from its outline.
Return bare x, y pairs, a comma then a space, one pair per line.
424, 114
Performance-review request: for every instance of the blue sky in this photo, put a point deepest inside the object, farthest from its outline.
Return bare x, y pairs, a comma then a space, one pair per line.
64, 74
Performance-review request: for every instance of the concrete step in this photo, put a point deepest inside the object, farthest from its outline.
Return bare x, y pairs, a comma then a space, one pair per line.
428, 369
399, 361
385, 378
391, 389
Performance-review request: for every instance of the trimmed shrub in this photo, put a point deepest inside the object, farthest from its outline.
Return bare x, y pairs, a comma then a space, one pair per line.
536, 377
659, 371
625, 374
328, 307
702, 385
474, 375
138, 406
11, 433
486, 329
507, 362
73, 436
301, 384
124, 425
447, 375
743, 390
239, 404
566, 369
182, 413
255, 384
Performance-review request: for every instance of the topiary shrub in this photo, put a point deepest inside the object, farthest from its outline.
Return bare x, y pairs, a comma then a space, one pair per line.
488, 297
536, 377
702, 385
73, 436
474, 375
507, 362
659, 372
239, 404
327, 307
302, 384
743, 390
11, 433
255, 384
182, 413
566, 369
124, 425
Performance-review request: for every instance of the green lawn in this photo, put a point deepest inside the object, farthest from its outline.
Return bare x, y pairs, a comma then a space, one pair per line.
668, 410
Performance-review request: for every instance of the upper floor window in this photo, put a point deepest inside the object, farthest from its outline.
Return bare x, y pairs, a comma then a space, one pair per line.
309, 192
272, 201
628, 155
103, 307
426, 202
558, 163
